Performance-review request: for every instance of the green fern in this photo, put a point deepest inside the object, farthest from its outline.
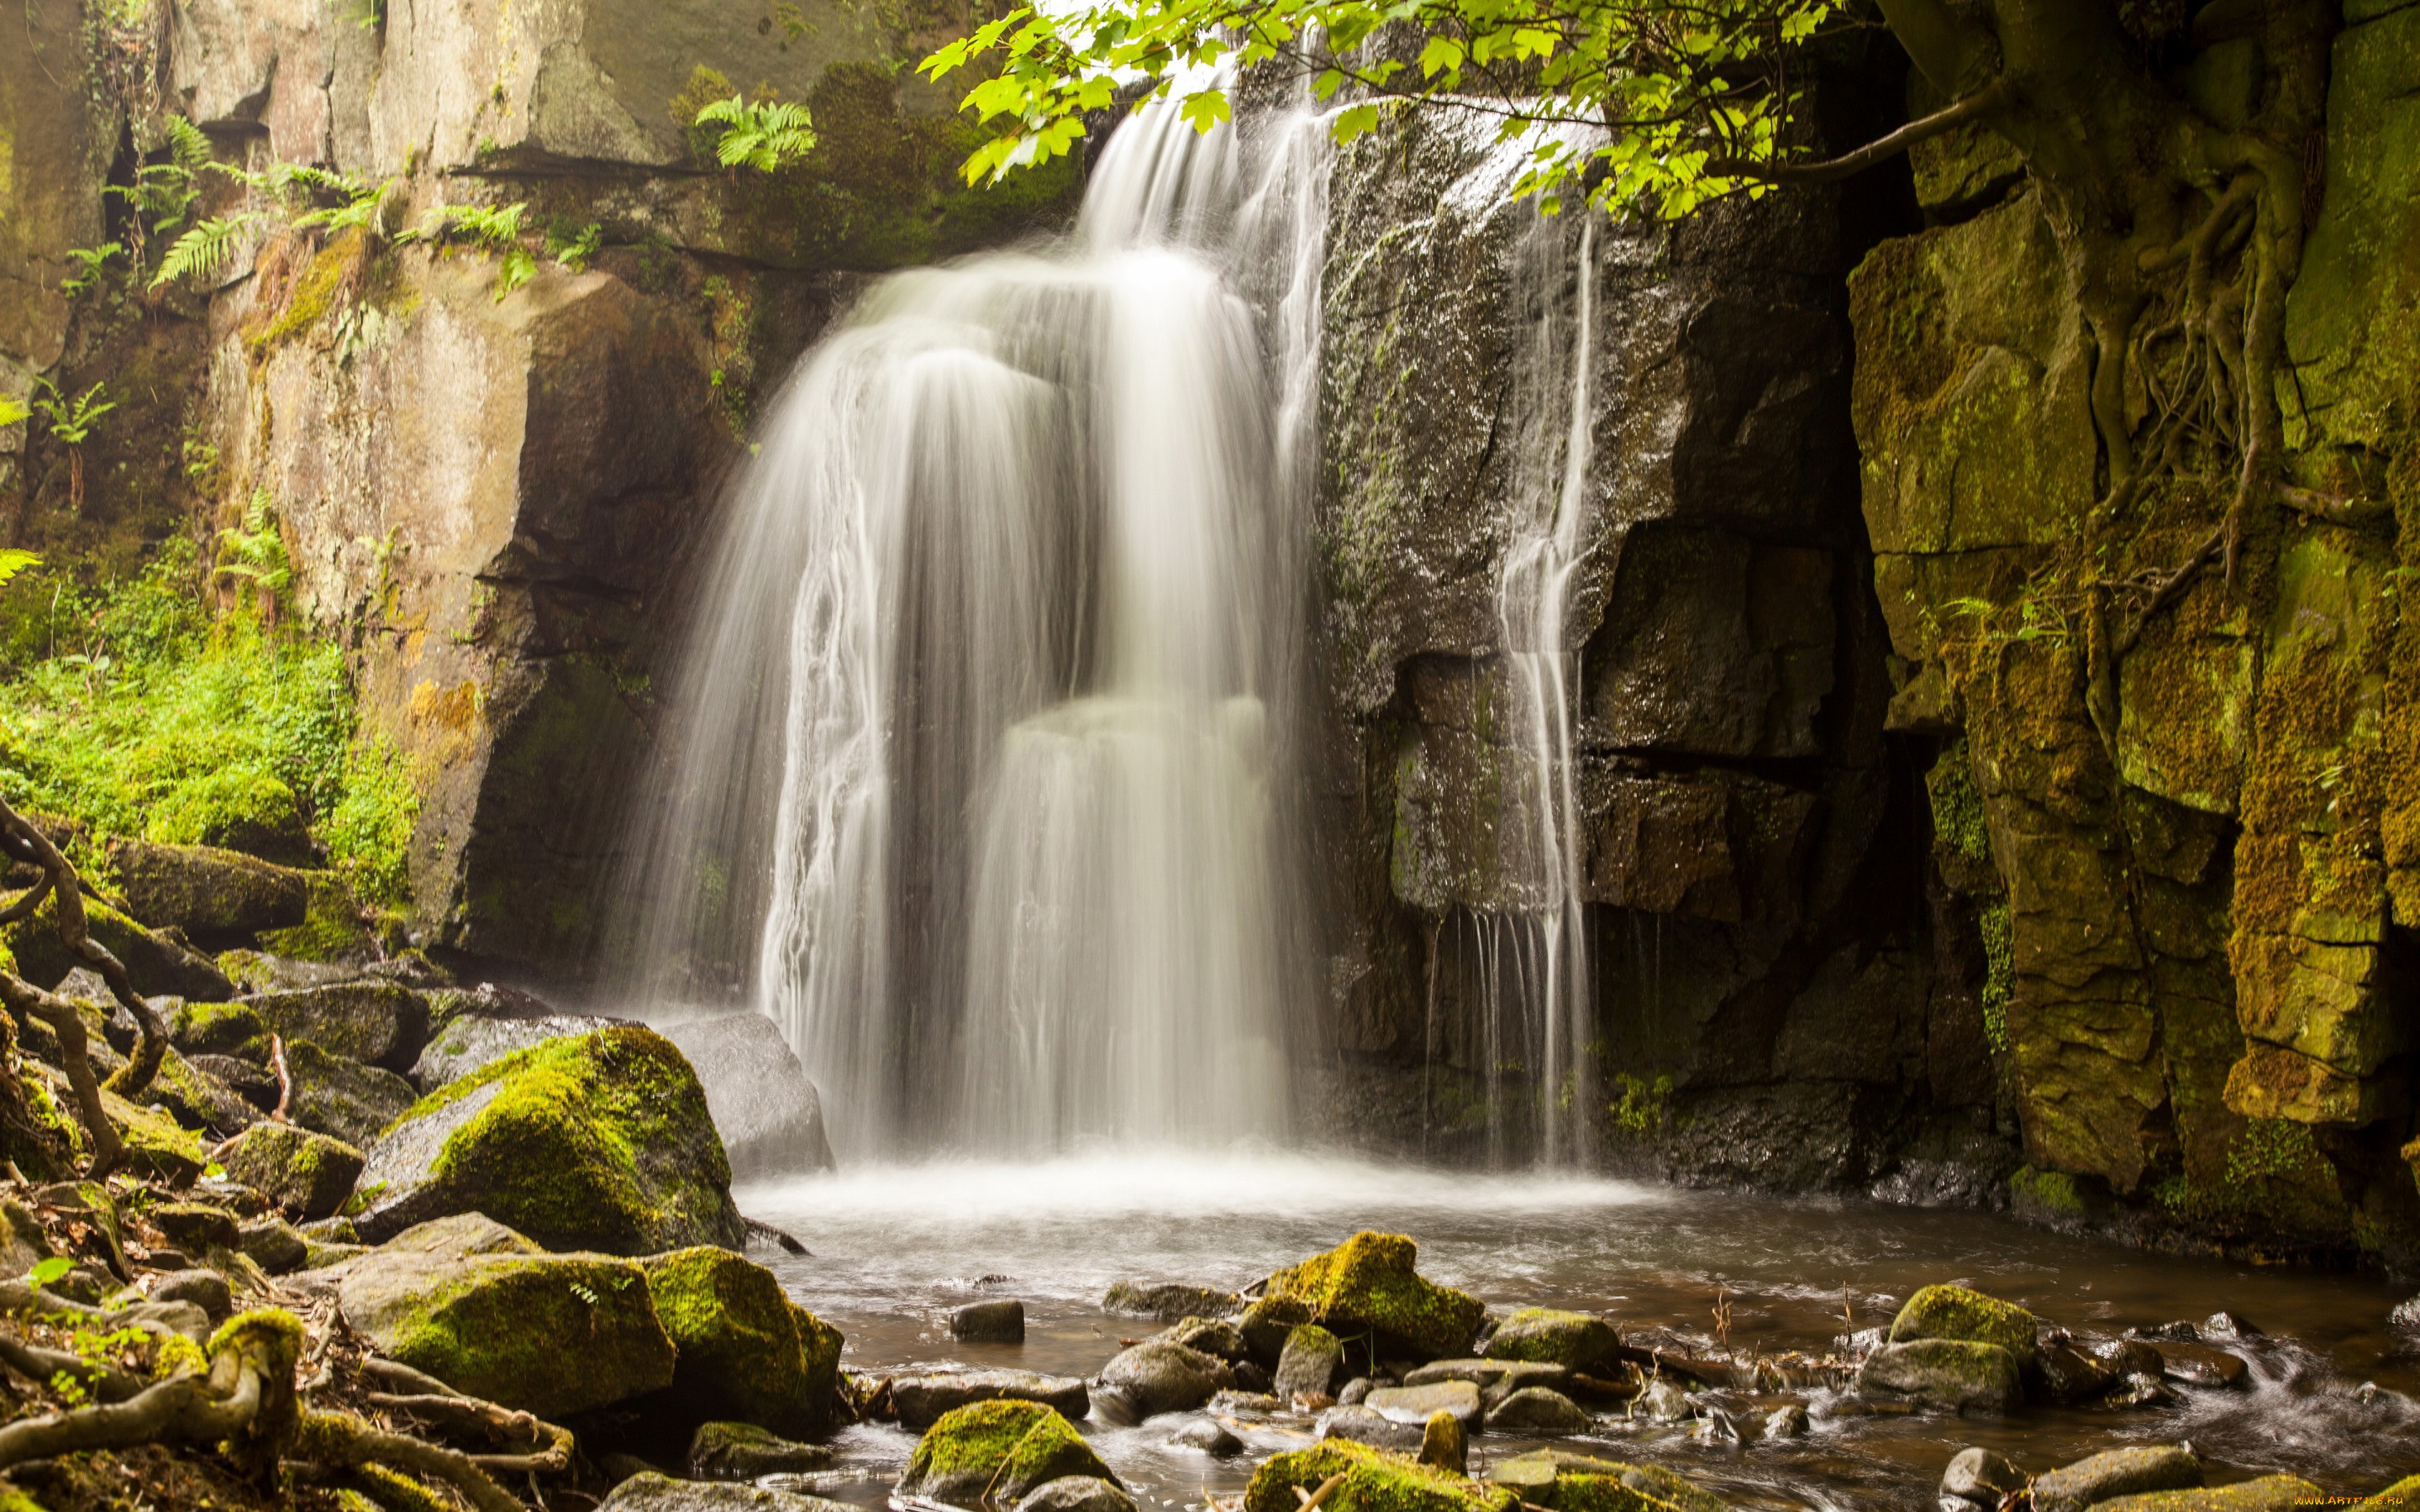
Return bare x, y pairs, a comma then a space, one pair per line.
12, 561
204, 252
89, 262
495, 229
72, 421
767, 135
12, 412
254, 552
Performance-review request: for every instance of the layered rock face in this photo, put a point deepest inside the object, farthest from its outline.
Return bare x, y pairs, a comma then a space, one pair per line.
2189, 848
1765, 1003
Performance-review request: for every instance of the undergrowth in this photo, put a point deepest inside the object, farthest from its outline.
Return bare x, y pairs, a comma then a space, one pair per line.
130, 709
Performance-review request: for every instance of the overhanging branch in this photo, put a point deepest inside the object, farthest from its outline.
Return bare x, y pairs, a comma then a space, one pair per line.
1949, 117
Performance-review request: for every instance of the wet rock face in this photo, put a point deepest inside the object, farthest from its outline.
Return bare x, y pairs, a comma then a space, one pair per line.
1731, 777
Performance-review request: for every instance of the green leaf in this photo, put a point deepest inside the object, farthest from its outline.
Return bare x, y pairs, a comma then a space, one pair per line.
1205, 109
53, 1269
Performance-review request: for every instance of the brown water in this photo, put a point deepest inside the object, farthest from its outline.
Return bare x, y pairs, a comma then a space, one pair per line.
2333, 1388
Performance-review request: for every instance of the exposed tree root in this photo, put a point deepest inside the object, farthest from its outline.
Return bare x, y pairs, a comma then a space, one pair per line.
343, 1440
25, 842
27, 1001
2170, 589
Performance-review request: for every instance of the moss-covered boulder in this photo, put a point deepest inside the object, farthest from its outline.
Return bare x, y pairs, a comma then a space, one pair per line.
1369, 1286
155, 1145
1169, 1301
999, 1450
1952, 1375
2113, 1473
743, 1451
219, 1029
2270, 1493
196, 1099
341, 1098
377, 1022
1943, 1312
1579, 1341
1374, 1480
306, 1175
599, 1141
484, 1310
213, 895
2402, 1496
650, 1492
746, 1352
159, 966
1572, 1482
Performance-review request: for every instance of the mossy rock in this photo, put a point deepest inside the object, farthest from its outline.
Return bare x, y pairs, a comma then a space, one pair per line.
377, 1022
306, 1173
1943, 1312
1952, 1375
1572, 1482
596, 1141
236, 809
220, 1029
1551, 1337
2403, 1496
1375, 1480
1604, 1493
211, 894
2270, 1493
196, 1099
1369, 1286
155, 1145
158, 965
480, 1308
743, 1451
340, 1096
998, 1450
744, 1354
332, 928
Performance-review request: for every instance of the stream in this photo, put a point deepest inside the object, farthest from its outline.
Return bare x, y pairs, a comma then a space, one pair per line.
2330, 1393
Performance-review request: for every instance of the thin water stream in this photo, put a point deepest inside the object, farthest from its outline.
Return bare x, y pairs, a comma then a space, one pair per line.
894, 1249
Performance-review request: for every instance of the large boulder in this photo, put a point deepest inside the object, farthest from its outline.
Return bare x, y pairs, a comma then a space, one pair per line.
1571, 1482
1946, 1312
600, 1141
2164, 1467
923, 1400
1369, 1286
376, 1023
1373, 1480
293, 1169
1954, 1375
1580, 1341
340, 1096
214, 895
999, 1450
743, 1451
1160, 1376
486, 1311
220, 1029
746, 1351
473, 1027
195, 1097
2270, 1493
159, 966
769, 1114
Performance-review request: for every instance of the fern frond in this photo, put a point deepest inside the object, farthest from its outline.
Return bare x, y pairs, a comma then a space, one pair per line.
205, 250
13, 562
189, 147
732, 112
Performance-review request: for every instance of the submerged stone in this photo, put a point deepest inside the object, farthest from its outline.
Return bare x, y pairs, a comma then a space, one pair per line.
2116, 1472
1577, 1341
1208, 1435
1981, 1476
989, 1323
926, 1399
1538, 1410
743, 1451
999, 1449
1373, 1480
1169, 1301
1368, 1284
600, 1141
1954, 1375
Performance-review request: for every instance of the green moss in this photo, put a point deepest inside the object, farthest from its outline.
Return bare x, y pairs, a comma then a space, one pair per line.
1367, 1284
1603, 1493
220, 1029
1946, 1312
746, 1351
1553, 1336
155, 1145
1999, 974
2403, 1496
1958, 822
1005, 1448
1374, 1481
333, 929
495, 1332
1643, 1108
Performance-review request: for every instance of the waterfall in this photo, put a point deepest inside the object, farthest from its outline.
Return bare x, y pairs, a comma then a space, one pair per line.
984, 778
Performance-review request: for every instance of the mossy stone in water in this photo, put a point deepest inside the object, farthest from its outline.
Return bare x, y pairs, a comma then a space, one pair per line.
2270, 1493
1375, 1480
598, 1141
1551, 1337
2403, 1496
1942, 1312
1572, 1482
998, 1450
1369, 1286
746, 1352
1604, 1493
1952, 1375
479, 1307
306, 1173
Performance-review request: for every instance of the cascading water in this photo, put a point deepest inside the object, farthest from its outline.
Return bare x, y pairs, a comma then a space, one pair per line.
986, 734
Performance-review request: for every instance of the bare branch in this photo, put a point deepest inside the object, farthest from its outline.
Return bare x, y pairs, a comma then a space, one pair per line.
1949, 117
67, 891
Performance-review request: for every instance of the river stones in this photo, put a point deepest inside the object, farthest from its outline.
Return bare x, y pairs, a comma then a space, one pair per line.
923, 1400
1494, 1379
1161, 1377
743, 1451
1077, 1493
1414, 1404
484, 1310
745, 1351
650, 1492
1309, 1364
600, 1141
1171, 1302
989, 1323
1958, 1313
1953, 1375
1445, 1444
2198, 1365
1208, 1435
1370, 1284
1584, 1483
1211, 1335
1540, 1411
2270, 1493
2116, 1472
1362, 1425
1000, 1449
2066, 1374
768, 1113
214, 895
1660, 1401
1980, 1476
478, 1031
1268, 1322
1788, 1421
2400, 1497
1577, 1341
376, 1023
1373, 1480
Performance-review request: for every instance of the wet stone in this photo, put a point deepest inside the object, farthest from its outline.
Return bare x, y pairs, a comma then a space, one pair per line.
989, 1323
1355, 1391
1538, 1410
1170, 1303
1167, 1378
2118, 1473
1077, 1493
1788, 1421
1661, 1402
2270, 1493
2198, 1365
1362, 1425
742, 1451
1444, 1442
1415, 1404
923, 1399
1982, 1477
2069, 1374
1312, 1357
1207, 1436
1952, 1375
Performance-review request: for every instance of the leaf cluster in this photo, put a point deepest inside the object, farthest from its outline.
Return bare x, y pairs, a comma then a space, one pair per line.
495, 229
766, 135
1643, 106
71, 421
297, 196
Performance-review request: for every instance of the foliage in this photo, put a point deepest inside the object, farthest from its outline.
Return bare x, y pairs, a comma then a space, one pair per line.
12, 412
1658, 104
164, 192
495, 229
74, 421
13, 562
1999, 974
203, 253
185, 711
573, 246
1641, 1108
303, 198
255, 553
766, 135
89, 261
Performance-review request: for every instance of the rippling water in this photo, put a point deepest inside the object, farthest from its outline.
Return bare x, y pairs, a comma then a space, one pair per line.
895, 1248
